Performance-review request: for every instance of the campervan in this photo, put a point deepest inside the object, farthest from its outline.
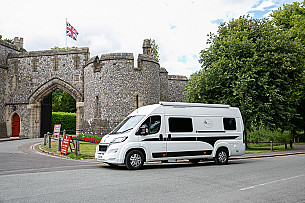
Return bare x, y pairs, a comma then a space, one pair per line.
171, 131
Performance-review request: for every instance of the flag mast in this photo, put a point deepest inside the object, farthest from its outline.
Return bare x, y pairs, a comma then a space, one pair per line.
66, 33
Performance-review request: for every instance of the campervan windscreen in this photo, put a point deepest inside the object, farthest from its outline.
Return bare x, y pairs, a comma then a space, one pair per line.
127, 124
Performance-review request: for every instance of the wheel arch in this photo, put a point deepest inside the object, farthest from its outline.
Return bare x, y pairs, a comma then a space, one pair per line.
137, 148
219, 146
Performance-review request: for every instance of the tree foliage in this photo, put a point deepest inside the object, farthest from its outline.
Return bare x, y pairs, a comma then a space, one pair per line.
11, 41
63, 102
291, 19
154, 49
253, 65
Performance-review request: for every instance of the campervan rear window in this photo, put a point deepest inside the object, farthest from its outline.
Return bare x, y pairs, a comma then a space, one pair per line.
180, 125
229, 123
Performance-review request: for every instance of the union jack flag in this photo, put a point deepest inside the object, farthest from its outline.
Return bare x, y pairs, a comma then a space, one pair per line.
71, 31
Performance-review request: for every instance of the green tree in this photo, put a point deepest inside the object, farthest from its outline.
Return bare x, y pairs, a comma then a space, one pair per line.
154, 49
291, 19
253, 65
63, 102
7, 40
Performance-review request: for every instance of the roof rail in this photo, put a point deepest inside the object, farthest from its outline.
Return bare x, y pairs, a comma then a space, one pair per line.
183, 104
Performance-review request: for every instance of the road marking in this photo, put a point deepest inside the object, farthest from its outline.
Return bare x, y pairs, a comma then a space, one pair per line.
275, 181
43, 169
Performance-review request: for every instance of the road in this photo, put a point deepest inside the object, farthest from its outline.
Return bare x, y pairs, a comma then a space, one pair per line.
26, 176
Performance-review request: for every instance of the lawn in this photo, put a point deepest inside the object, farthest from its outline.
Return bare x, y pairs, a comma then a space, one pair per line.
86, 151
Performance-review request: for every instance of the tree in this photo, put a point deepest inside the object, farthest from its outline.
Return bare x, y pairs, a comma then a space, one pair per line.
255, 66
7, 40
291, 19
63, 102
154, 49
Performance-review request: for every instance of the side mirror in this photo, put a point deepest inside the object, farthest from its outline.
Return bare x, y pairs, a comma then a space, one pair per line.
143, 130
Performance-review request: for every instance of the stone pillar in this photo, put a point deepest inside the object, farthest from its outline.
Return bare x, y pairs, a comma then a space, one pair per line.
79, 117
146, 47
34, 110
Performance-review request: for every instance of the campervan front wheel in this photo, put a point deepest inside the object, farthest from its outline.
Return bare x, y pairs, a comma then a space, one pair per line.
134, 160
222, 156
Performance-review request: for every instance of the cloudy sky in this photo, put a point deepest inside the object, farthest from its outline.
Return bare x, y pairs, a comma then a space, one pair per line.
180, 27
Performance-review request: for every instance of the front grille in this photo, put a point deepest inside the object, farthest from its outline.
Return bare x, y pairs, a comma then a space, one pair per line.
103, 148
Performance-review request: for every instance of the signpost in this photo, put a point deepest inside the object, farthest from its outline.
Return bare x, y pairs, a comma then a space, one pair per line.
66, 144
57, 129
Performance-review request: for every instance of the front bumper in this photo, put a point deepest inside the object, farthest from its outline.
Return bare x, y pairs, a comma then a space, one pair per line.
111, 155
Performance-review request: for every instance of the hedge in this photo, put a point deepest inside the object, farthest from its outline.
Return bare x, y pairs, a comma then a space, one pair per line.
67, 121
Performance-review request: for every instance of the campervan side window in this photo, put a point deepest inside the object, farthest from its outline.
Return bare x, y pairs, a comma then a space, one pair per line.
229, 123
180, 125
152, 123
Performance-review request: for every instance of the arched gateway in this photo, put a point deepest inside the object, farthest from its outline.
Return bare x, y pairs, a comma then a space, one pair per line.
38, 114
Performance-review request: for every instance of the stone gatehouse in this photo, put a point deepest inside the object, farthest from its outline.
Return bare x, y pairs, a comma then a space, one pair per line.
106, 88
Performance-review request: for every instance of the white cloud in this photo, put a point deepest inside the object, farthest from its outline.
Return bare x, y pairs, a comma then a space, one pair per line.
180, 28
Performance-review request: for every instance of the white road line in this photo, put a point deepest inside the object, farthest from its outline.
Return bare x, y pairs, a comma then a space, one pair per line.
39, 169
275, 181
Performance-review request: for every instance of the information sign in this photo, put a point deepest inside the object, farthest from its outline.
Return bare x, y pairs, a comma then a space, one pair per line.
57, 129
65, 144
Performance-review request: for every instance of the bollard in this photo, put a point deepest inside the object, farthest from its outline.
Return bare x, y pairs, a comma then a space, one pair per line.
285, 144
49, 139
45, 139
59, 144
291, 144
76, 150
271, 145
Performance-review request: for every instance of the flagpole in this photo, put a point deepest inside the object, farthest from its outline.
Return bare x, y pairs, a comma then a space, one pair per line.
66, 33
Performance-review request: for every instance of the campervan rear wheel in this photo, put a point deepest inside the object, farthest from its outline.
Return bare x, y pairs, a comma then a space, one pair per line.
222, 156
134, 160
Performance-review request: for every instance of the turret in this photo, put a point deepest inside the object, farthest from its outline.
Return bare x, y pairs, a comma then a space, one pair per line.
146, 47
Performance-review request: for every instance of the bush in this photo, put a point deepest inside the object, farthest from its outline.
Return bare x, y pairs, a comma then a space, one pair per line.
67, 121
264, 134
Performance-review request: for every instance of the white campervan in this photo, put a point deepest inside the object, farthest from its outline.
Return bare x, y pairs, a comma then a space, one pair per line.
169, 131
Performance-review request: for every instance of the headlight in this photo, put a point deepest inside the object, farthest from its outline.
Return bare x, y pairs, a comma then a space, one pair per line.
118, 140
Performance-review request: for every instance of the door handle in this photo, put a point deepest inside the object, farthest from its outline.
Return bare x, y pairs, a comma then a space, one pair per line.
160, 137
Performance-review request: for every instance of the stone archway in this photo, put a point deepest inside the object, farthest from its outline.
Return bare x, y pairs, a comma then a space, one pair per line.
43, 91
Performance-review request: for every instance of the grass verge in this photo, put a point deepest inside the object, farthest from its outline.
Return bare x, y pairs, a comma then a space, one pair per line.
86, 151
265, 147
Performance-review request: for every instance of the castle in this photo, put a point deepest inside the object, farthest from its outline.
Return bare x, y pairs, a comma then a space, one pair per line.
106, 88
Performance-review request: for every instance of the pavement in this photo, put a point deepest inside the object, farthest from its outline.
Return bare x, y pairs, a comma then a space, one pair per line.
298, 149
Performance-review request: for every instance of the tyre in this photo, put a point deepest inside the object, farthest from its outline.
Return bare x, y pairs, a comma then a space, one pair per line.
222, 156
134, 160
194, 161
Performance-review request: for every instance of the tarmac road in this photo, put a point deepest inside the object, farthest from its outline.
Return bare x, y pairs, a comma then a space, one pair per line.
28, 176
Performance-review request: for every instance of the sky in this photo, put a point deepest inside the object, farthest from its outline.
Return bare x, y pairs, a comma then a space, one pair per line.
179, 28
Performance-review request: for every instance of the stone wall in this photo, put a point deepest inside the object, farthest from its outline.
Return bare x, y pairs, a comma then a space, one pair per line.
5, 49
176, 87
112, 87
